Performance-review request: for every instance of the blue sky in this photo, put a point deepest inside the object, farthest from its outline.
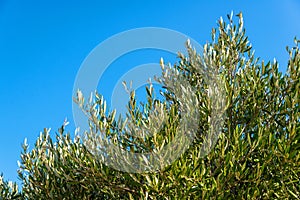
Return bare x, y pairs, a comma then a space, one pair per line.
43, 43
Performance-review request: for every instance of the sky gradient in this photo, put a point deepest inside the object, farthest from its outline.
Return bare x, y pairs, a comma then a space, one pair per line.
42, 45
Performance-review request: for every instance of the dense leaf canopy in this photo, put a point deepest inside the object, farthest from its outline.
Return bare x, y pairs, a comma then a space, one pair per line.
256, 155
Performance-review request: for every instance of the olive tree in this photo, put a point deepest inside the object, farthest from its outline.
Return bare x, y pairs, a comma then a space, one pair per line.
256, 155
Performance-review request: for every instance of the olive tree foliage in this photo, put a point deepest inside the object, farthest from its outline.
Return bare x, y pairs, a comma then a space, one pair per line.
256, 155
8, 189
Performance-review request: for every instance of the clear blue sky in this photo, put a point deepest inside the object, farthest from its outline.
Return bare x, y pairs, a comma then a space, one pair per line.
43, 43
